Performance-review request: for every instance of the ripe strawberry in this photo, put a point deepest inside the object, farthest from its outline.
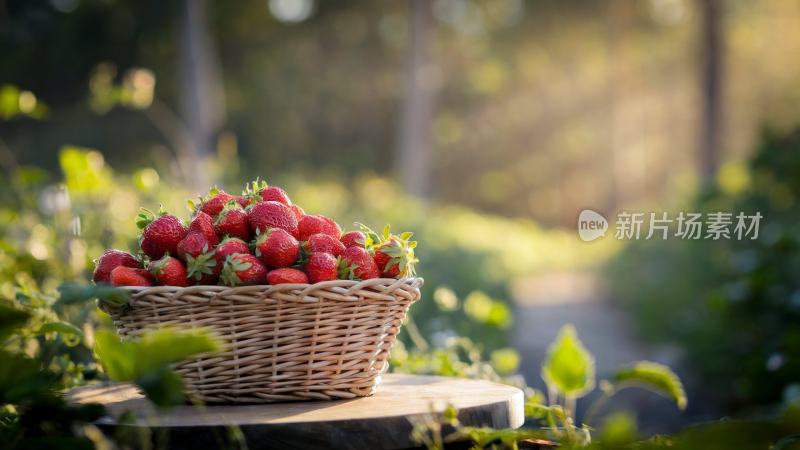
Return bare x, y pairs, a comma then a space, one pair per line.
243, 269
394, 255
298, 212
160, 235
286, 275
323, 243
357, 264
213, 202
314, 224
263, 216
169, 271
277, 248
193, 245
259, 191
227, 247
129, 276
204, 224
322, 267
243, 201
232, 221
109, 261
353, 239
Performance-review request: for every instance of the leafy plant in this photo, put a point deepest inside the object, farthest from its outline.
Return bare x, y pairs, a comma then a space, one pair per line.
568, 371
146, 361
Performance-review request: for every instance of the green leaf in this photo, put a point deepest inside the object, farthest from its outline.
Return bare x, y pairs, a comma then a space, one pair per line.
568, 366
147, 361
70, 294
166, 346
117, 357
656, 377
163, 387
70, 334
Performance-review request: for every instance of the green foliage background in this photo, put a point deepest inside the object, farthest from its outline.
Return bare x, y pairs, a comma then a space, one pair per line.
732, 306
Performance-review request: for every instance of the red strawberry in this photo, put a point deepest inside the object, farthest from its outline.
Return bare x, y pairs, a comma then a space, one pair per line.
353, 239
394, 255
232, 221
276, 194
323, 243
204, 224
243, 201
322, 267
227, 247
277, 248
109, 261
263, 216
169, 271
298, 212
314, 224
243, 269
160, 235
259, 191
357, 264
194, 244
286, 275
213, 202
129, 276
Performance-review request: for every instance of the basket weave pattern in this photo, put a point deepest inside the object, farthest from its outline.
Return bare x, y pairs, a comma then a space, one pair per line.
321, 341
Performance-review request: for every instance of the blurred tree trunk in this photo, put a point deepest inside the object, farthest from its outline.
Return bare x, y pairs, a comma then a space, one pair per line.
202, 95
712, 40
414, 146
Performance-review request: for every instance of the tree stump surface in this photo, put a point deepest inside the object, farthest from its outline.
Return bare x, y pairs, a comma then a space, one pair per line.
382, 421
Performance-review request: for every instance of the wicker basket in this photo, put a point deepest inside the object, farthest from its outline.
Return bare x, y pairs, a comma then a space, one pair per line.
321, 341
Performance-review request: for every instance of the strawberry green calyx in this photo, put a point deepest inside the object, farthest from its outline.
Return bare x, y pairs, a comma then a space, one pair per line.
158, 265
401, 253
346, 271
252, 191
394, 254
230, 269
203, 264
372, 238
144, 218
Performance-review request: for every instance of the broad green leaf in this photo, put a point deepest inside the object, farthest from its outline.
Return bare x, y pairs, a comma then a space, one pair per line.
78, 293
147, 361
71, 334
163, 387
656, 377
568, 366
116, 357
166, 346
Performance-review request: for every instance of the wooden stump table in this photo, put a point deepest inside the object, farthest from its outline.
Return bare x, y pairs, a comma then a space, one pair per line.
383, 421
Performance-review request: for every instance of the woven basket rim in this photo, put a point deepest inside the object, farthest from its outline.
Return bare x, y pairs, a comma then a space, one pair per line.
304, 292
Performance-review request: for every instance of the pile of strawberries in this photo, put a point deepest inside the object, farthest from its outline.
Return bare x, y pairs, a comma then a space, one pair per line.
259, 237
